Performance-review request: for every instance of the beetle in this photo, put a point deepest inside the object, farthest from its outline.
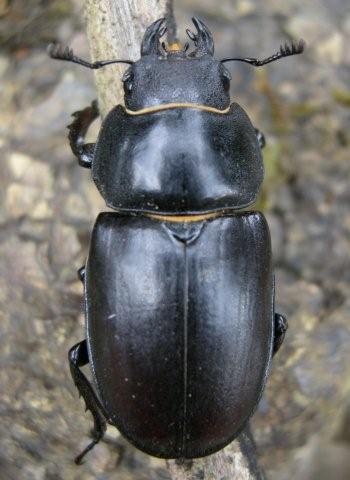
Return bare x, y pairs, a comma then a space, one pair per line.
179, 288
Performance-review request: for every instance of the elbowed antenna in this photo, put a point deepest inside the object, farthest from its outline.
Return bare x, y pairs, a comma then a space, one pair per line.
286, 50
58, 52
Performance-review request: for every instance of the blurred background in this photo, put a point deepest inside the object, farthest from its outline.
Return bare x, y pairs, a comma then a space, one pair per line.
49, 204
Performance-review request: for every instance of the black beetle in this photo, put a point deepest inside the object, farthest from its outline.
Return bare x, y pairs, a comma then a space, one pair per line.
179, 289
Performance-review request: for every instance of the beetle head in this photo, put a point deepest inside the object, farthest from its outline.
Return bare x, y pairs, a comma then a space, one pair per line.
171, 75
175, 75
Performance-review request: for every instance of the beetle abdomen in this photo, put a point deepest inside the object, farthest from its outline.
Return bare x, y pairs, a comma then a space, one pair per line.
181, 160
180, 328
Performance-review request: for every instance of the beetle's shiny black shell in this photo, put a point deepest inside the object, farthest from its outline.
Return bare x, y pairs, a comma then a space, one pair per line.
181, 160
179, 327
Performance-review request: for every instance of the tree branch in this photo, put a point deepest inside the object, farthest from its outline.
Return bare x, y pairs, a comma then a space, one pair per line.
115, 30
235, 462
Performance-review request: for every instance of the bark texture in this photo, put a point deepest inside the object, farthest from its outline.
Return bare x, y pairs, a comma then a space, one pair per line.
235, 462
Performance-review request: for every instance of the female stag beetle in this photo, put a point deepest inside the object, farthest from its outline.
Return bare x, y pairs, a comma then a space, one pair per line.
179, 288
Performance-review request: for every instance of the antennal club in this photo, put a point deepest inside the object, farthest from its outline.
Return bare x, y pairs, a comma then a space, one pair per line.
58, 52
285, 50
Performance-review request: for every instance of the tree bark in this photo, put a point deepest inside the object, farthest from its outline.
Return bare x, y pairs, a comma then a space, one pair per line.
235, 462
115, 29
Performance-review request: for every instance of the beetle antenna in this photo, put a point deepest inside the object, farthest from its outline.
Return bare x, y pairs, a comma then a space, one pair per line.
58, 52
285, 50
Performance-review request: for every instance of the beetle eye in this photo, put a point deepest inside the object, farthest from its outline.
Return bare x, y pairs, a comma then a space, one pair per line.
226, 79
226, 82
127, 82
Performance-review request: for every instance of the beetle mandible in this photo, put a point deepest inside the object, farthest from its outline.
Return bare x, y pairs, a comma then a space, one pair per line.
179, 288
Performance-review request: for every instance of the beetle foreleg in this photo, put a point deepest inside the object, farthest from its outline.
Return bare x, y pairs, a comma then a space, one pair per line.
281, 326
261, 138
77, 131
78, 357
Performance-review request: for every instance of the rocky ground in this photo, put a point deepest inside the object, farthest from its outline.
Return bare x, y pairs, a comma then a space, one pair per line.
48, 206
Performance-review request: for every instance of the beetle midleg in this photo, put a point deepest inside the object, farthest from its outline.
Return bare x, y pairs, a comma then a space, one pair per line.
281, 326
77, 131
78, 357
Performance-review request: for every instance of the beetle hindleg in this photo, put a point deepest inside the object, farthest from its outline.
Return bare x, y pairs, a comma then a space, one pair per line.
77, 131
78, 357
281, 326
261, 138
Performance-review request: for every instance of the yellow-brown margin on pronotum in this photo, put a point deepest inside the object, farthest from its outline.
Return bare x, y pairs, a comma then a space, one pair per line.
167, 106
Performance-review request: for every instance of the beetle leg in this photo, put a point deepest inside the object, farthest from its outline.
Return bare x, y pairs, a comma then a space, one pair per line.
281, 326
77, 131
78, 357
261, 138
